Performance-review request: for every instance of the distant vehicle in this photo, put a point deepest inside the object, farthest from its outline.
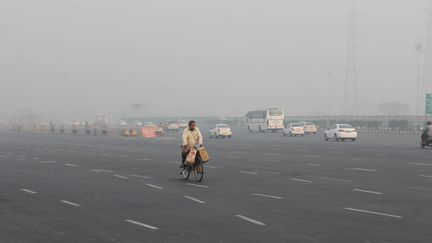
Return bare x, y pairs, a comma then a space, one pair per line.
148, 124
309, 128
160, 131
294, 129
123, 123
129, 133
340, 132
220, 131
271, 119
173, 126
138, 123
183, 123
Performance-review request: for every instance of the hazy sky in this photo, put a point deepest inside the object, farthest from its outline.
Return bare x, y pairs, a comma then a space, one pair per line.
221, 57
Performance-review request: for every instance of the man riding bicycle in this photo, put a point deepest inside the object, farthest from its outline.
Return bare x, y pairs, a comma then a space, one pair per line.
191, 138
427, 133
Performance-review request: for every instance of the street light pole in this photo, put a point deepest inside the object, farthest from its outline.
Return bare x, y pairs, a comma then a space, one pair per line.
418, 48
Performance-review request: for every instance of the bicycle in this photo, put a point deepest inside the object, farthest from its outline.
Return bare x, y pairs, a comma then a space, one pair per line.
197, 169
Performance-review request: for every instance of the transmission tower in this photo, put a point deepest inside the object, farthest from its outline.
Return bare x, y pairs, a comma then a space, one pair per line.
350, 104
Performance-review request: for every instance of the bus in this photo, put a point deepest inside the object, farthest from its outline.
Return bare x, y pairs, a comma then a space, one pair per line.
271, 119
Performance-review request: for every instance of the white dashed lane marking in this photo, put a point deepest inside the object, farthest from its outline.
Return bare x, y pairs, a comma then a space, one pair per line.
300, 180
153, 186
122, 177
253, 221
421, 189
362, 169
419, 163
427, 176
48, 162
372, 212
334, 179
70, 203
248, 172
71, 165
142, 224
194, 199
140, 176
264, 195
28, 191
367, 191
360, 159
196, 185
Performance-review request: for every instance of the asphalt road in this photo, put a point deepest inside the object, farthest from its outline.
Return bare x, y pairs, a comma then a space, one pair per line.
257, 188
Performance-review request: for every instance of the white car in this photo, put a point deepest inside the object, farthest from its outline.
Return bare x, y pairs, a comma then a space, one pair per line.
173, 126
220, 131
309, 128
294, 129
183, 123
340, 132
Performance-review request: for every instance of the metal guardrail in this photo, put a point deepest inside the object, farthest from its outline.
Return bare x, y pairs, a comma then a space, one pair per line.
388, 131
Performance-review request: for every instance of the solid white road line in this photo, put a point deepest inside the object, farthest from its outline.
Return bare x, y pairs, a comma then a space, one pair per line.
362, 169
264, 195
250, 220
428, 176
71, 165
371, 212
157, 187
70, 203
28, 191
141, 224
140, 176
119, 176
194, 199
419, 163
202, 186
367, 191
301, 180
248, 172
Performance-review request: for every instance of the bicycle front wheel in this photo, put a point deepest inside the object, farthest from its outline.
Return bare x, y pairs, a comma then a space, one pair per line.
186, 173
199, 170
